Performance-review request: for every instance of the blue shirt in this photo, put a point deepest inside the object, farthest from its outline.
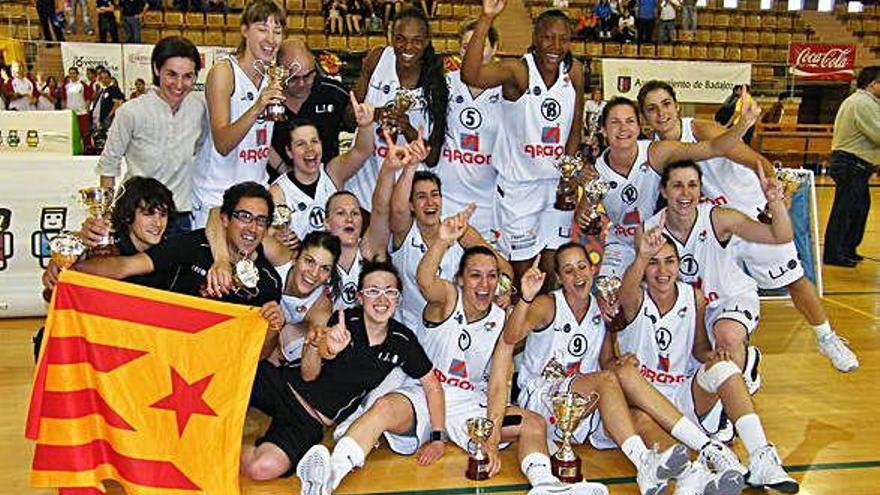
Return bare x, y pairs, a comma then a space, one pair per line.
647, 9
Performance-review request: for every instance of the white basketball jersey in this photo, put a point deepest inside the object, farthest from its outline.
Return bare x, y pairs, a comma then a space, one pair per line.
295, 308
705, 262
631, 198
726, 182
406, 259
461, 350
214, 173
535, 129
663, 343
382, 89
308, 213
465, 167
348, 283
575, 345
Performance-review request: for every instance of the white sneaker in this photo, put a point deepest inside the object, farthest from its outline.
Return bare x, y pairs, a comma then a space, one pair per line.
560, 488
314, 471
835, 348
698, 480
720, 458
751, 374
765, 471
657, 468
725, 432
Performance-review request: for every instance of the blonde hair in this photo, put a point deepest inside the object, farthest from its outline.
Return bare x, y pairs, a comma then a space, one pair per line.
260, 11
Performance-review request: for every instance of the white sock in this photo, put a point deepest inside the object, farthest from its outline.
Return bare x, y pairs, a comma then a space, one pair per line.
346, 456
689, 434
823, 330
751, 432
536, 467
634, 449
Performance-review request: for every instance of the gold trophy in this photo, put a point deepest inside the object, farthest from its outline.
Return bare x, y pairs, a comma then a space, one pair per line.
609, 291
569, 408
99, 202
567, 189
66, 249
281, 216
791, 181
595, 191
280, 75
479, 430
554, 371
403, 101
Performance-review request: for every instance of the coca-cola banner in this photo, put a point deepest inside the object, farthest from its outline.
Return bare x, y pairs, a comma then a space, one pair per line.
821, 61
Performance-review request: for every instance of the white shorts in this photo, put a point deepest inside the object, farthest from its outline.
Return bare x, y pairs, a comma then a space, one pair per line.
683, 398
616, 257
527, 220
535, 396
744, 307
395, 380
773, 266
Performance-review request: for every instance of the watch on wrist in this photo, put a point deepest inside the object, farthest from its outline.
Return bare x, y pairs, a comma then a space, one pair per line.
439, 436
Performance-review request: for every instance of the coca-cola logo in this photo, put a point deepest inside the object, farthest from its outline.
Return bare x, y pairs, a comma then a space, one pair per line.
834, 58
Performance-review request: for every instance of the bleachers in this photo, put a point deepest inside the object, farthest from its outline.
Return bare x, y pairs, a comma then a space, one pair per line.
19, 19
864, 25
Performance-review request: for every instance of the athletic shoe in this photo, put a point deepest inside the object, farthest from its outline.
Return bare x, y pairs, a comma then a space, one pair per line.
698, 480
765, 471
313, 471
835, 348
751, 374
725, 432
657, 468
559, 488
720, 458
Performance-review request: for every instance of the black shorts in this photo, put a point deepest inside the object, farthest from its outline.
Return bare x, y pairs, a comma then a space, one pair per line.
292, 429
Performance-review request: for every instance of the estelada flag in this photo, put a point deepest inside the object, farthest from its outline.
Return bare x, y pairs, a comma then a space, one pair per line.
141, 386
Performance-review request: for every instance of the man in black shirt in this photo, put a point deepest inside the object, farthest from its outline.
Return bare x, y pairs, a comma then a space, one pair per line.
132, 15
310, 96
339, 366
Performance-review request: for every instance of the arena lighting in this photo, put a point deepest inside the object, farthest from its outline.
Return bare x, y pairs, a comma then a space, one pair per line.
795, 5
854, 7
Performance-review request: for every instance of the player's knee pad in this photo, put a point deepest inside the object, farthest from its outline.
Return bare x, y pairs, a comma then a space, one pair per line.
711, 379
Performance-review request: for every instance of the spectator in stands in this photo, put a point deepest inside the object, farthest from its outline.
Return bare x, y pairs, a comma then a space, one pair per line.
606, 21
188, 5
51, 14
668, 11
688, 15
76, 96
160, 132
83, 6
21, 91
626, 27
335, 12
48, 90
216, 6
854, 158
132, 17
774, 114
310, 96
104, 107
107, 20
647, 17
140, 88
354, 17
429, 7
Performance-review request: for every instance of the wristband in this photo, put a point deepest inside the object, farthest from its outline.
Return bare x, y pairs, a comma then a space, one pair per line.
523, 299
439, 436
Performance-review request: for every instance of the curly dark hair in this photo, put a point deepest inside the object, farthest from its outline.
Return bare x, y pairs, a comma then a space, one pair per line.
249, 189
325, 240
143, 193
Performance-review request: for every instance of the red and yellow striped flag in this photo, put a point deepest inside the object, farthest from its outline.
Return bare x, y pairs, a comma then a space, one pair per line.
141, 386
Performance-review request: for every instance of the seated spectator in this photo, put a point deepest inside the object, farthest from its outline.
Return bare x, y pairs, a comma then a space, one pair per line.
335, 13
626, 27
354, 17
603, 11
668, 12
140, 87
20, 90
216, 6
588, 27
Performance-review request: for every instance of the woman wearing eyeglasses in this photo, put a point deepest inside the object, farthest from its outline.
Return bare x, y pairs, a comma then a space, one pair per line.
340, 364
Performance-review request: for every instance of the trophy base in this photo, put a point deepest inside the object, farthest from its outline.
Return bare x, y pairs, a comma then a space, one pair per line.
477, 470
567, 471
594, 227
617, 323
565, 204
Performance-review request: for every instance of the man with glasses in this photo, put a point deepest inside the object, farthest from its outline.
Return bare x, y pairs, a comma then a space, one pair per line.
310, 96
184, 260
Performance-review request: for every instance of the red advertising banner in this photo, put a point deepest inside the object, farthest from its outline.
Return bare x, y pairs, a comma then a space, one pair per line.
822, 62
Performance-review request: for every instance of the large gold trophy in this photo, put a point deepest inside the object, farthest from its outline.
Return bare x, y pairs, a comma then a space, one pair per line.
479, 431
569, 408
403, 101
609, 291
99, 203
66, 249
278, 75
567, 189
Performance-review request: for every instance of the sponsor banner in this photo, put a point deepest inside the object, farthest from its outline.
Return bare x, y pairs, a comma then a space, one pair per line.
136, 64
90, 55
39, 132
821, 61
694, 82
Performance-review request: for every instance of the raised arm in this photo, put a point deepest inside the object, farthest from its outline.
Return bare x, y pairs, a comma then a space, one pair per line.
500, 377
728, 221
363, 81
401, 216
473, 71
341, 168
440, 294
741, 153
436, 399
631, 293
375, 242
577, 126
531, 311
116, 267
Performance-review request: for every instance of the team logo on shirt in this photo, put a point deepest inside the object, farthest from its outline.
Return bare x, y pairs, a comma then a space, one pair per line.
550, 109
261, 136
471, 118
627, 226
663, 338
663, 360
349, 292
316, 217
629, 194
689, 265
470, 142
464, 340
551, 135
577, 346
682, 312
458, 368
702, 236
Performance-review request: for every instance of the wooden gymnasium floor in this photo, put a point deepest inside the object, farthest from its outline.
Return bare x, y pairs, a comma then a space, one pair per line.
823, 422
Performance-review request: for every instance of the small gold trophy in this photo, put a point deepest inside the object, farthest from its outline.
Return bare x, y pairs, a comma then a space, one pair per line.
278, 75
99, 202
569, 408
479, 430
595, 191
403, 101
66, 249
609, 291
567, 189
791, 181
281, 216
554, 371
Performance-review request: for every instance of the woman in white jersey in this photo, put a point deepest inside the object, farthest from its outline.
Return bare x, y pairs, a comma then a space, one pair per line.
632, 167
465, 166
542, 113
410, 65
703, 233
664, 339
237, 94
726, 181
567, 326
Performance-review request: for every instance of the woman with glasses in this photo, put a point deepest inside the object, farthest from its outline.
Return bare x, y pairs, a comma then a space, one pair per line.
340, 364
